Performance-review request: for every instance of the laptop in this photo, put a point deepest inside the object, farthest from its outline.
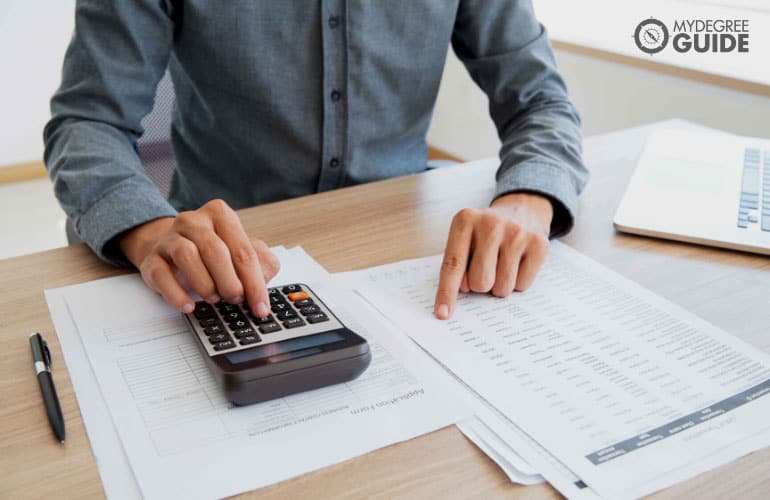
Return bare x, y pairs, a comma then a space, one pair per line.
707, 187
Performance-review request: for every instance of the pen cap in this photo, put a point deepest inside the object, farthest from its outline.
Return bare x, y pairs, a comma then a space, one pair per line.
39, 350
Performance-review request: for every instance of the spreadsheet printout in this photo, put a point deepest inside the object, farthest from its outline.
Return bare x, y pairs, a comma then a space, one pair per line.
628, 390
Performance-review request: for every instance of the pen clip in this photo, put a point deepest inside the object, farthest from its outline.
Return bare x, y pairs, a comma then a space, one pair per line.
46, 353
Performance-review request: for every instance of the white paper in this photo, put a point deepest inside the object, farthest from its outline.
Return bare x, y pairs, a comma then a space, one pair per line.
183, 440
520, 457
112, 463
585, 361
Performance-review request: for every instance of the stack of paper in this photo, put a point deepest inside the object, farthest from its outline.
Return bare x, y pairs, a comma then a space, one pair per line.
603, 387
158, 424
587, 380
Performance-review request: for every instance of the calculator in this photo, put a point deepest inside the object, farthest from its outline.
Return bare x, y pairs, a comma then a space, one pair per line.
300, 346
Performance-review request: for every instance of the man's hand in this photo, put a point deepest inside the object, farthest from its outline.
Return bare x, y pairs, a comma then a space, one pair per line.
497, 249
206, 251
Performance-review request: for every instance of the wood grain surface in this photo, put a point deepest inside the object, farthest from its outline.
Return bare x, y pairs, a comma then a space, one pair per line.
359, 227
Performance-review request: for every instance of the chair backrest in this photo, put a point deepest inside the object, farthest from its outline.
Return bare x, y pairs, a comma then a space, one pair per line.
154, 146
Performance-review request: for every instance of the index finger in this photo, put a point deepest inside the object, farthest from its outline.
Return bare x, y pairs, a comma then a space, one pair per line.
452, 268
246, 263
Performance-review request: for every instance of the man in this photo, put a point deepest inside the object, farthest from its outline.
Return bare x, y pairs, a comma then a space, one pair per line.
277, 99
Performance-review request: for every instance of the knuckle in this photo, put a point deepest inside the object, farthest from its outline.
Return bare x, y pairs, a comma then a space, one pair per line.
538, 243
218, 207
184, 251
211, 245
513, 228
452, 263
153, 273
243, 256
464, 218
489, 223
185, 220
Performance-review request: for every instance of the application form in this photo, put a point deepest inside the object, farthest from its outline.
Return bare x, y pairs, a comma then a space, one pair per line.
181, 438
630, 392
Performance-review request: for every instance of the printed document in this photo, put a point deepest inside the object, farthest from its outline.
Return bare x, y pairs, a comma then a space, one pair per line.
630, 392
178, 434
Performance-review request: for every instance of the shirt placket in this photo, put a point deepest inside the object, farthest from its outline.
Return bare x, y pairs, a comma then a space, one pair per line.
334, 37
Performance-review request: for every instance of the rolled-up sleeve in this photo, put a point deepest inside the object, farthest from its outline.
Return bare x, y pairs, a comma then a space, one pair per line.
508, 55
114, 62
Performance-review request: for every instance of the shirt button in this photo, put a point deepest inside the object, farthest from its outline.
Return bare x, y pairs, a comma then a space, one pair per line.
334, 163
336, 95
334, 21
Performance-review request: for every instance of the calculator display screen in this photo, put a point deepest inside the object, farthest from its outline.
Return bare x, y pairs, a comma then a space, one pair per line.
298, 345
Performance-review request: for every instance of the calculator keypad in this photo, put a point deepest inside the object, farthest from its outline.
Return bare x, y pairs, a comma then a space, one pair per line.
295, 312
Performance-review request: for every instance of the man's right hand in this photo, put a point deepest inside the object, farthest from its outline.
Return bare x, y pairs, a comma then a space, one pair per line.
206, 251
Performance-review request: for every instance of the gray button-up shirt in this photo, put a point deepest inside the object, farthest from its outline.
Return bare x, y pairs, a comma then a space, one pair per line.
277, 99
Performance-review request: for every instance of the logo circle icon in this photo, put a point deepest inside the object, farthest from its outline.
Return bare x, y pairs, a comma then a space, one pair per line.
651, 36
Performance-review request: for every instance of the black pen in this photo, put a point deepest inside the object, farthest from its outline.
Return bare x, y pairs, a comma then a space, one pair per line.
42, 358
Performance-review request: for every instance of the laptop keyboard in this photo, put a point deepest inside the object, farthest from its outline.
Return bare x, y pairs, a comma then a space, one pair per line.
754, 207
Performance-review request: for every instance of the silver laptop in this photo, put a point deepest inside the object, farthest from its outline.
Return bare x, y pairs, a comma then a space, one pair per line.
701, 187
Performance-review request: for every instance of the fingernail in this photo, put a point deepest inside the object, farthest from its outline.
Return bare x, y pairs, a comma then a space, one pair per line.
213, 299
262, 310
236, 300
443, 311
188, 308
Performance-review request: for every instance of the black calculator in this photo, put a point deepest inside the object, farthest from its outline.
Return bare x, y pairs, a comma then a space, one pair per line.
300, 346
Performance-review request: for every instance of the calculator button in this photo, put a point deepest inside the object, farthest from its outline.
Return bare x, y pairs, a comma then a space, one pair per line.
282, 315
213, 330
291, 288
203, 310
301, 295
317, 318
293, 322
262, 321
237, 325
209, 321
273, 291
310, 310
304, 303
249, 339
277, 299
233, 316
226, 308
244, 332
228, 344
270, 327
282, 306
219, 337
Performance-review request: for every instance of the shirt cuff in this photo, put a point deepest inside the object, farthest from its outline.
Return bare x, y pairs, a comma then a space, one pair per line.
548, 179
125, 206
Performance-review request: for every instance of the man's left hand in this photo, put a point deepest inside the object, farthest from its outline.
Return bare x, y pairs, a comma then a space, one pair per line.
497, 249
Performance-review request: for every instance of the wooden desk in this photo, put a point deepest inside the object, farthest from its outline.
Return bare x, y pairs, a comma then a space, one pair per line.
364, 226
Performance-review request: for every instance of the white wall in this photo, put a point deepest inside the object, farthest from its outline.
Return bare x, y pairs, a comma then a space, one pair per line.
33, 37
609, 96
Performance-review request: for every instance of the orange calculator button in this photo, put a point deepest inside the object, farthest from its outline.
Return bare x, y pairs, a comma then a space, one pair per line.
297, 295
